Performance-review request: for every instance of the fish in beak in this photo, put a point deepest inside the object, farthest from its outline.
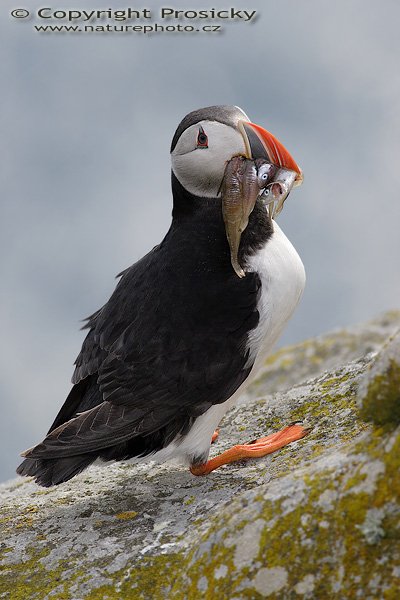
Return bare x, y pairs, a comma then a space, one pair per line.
260, 143
239, 191
267, 170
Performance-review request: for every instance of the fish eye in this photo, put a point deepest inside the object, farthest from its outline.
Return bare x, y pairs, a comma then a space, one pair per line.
202, 139
264, 172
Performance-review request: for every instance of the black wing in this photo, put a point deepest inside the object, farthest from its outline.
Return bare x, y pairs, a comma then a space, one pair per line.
170, 343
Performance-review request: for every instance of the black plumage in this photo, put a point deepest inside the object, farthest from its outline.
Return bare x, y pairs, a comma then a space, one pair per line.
169, 344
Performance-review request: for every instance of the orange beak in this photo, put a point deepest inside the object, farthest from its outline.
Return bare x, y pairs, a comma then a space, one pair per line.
260, 143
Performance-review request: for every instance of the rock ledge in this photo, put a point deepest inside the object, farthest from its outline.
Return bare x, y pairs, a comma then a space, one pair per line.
319, 519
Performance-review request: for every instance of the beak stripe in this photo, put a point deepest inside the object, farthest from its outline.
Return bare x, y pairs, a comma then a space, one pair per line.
276, 151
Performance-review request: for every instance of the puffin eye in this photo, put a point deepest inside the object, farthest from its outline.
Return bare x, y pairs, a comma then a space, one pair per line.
202, 139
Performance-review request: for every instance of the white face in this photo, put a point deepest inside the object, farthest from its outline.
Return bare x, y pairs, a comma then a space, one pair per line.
199, 162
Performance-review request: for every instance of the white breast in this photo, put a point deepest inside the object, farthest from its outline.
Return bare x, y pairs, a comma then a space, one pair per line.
282, 283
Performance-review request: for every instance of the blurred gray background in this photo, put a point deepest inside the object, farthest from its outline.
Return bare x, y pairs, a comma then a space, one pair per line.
86, 126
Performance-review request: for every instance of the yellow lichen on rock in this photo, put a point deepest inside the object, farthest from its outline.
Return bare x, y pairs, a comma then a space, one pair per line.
319, 519
379, 394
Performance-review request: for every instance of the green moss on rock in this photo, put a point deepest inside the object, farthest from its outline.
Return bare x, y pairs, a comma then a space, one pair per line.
319, 519
381, 404
153, 579
321, 531
379, 394
31, 580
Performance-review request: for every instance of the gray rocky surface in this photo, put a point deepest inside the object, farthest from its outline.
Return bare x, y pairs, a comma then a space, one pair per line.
318, 519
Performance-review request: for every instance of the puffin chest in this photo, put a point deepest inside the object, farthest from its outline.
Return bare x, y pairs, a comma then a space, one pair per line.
282, 276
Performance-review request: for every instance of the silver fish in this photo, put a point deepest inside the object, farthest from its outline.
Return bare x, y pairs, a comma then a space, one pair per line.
265, 172
244, 181
276, 191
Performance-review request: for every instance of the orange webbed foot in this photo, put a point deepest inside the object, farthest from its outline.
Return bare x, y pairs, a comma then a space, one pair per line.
258, 448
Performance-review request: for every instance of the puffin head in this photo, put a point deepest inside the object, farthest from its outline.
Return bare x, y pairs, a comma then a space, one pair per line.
206, 139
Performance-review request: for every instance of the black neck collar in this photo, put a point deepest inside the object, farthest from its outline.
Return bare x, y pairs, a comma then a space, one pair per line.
203, 218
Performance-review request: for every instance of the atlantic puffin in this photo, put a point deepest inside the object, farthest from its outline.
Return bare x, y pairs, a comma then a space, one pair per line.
182, 335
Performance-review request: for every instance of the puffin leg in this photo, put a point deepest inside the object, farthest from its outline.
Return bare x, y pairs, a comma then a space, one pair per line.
256, 449
215, 436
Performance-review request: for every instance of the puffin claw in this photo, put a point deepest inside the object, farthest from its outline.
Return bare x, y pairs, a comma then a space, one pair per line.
215, 436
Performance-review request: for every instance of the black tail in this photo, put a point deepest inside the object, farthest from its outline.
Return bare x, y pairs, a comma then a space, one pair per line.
56, 470
82, 396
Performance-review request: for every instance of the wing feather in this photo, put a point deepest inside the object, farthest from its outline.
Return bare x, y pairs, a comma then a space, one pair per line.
100, 427
162, 350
